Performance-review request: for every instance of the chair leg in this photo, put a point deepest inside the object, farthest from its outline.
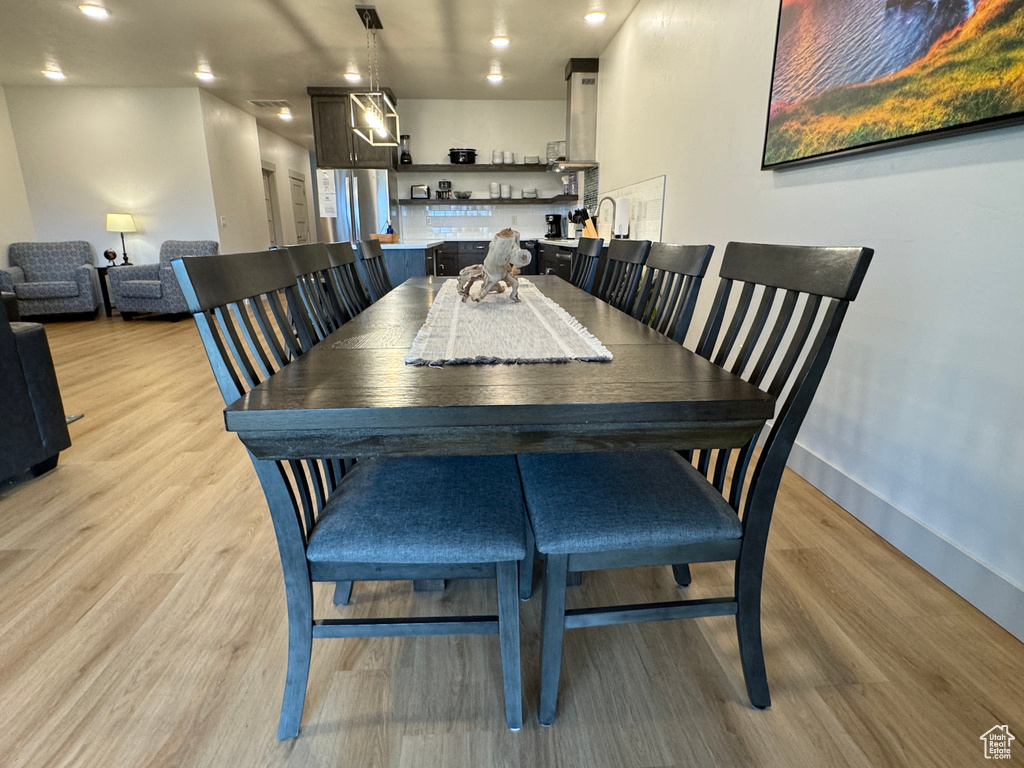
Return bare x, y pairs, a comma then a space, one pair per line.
552, 629
300, 648
526, 566
342, 592
748, 632
681, 573
508, 635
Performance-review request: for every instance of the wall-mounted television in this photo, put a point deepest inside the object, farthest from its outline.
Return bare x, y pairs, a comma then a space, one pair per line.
854, 75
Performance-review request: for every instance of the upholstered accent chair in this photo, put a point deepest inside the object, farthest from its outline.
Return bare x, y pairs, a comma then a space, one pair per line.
153, 287
52, 278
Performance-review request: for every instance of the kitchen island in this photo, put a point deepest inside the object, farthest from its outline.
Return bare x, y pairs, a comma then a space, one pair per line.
409, 259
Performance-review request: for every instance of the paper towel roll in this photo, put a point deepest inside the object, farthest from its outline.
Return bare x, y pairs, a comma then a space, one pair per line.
621, 225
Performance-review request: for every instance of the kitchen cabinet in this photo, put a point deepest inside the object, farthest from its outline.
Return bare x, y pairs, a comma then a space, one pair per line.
335, 144
456, 255
443, 260
556, 259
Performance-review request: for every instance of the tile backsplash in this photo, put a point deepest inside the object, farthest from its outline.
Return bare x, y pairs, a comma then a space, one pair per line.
480, 221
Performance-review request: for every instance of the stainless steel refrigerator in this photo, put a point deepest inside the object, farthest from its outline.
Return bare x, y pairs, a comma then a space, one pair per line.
353, 204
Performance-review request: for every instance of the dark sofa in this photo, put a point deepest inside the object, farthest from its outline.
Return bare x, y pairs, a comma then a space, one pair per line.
33, 430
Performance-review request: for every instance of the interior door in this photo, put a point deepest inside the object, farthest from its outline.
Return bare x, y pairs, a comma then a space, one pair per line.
268, 196
299, 208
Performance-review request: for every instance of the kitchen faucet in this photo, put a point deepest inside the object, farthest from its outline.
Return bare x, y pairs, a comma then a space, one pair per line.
611, 229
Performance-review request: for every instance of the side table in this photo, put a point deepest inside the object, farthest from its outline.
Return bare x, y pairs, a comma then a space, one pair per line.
104, 290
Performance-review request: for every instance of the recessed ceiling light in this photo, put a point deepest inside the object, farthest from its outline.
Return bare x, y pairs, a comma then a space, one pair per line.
500, 42
495, 77
285, 114
204, 74
53, 73
596, 17
353, 77
94, 11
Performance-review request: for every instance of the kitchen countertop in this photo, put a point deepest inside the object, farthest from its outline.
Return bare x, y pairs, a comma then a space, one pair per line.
413, 244
570, 242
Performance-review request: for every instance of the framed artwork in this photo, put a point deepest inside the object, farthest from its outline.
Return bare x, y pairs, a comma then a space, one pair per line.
853, 75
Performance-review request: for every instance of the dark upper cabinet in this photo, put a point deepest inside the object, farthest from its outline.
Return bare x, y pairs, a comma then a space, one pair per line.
336, 145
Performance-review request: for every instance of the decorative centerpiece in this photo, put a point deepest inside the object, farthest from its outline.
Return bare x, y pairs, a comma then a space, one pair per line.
501, 266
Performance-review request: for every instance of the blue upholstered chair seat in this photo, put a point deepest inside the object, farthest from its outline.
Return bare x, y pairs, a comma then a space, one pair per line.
602, 502
53, 289
424, 510
141, 289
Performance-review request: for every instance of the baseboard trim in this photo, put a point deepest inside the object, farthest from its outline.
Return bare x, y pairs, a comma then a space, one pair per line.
988, 591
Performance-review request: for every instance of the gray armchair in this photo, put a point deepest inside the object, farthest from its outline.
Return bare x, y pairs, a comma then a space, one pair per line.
52, 278
153, 287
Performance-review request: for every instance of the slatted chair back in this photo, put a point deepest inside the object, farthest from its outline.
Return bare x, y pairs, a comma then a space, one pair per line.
671, 282
778, 333
583, 266
311, 266
621, 278
243, 305
373, 260
345, 278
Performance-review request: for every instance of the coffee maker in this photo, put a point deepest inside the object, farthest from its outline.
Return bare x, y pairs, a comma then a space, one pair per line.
554, 222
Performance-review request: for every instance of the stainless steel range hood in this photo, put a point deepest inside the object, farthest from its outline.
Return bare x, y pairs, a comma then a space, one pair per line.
580, 114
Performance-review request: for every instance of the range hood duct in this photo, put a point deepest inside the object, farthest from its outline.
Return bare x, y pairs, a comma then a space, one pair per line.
581, 112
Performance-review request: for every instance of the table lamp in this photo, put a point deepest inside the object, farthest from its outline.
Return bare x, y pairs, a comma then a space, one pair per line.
121, 222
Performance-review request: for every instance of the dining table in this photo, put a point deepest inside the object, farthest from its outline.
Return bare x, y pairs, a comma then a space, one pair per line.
353, 395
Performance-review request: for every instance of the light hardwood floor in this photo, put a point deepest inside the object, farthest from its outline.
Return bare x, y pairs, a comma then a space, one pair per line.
142, 624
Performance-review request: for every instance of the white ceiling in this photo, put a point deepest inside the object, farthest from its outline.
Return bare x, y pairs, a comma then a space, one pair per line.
273, 49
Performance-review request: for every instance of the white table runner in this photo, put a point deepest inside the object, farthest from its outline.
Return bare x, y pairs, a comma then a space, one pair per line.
534, 330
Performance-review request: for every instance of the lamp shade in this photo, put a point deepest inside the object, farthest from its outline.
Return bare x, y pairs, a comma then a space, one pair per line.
120, 222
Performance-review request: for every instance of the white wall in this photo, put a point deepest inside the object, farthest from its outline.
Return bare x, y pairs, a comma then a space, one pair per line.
919, 424
436, 125
15, 214
86, 152
233, 150
287, 156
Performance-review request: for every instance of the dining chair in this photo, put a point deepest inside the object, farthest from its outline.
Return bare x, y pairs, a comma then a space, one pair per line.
373, 520
311, 266
583, 265
669, 289
373, 260
345, 278
622, 270
618, 510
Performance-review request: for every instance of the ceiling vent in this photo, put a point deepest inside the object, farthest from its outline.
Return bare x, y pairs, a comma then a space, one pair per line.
275, 104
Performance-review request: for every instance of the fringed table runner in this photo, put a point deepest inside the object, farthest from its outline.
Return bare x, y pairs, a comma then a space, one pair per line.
534, 330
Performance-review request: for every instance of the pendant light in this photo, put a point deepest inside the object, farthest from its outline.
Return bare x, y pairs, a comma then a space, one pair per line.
373, 115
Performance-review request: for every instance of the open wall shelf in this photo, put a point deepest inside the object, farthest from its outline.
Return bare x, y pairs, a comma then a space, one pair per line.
481, 168
492, 201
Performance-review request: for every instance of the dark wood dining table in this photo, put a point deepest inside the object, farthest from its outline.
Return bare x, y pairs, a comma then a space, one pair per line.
353, 395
